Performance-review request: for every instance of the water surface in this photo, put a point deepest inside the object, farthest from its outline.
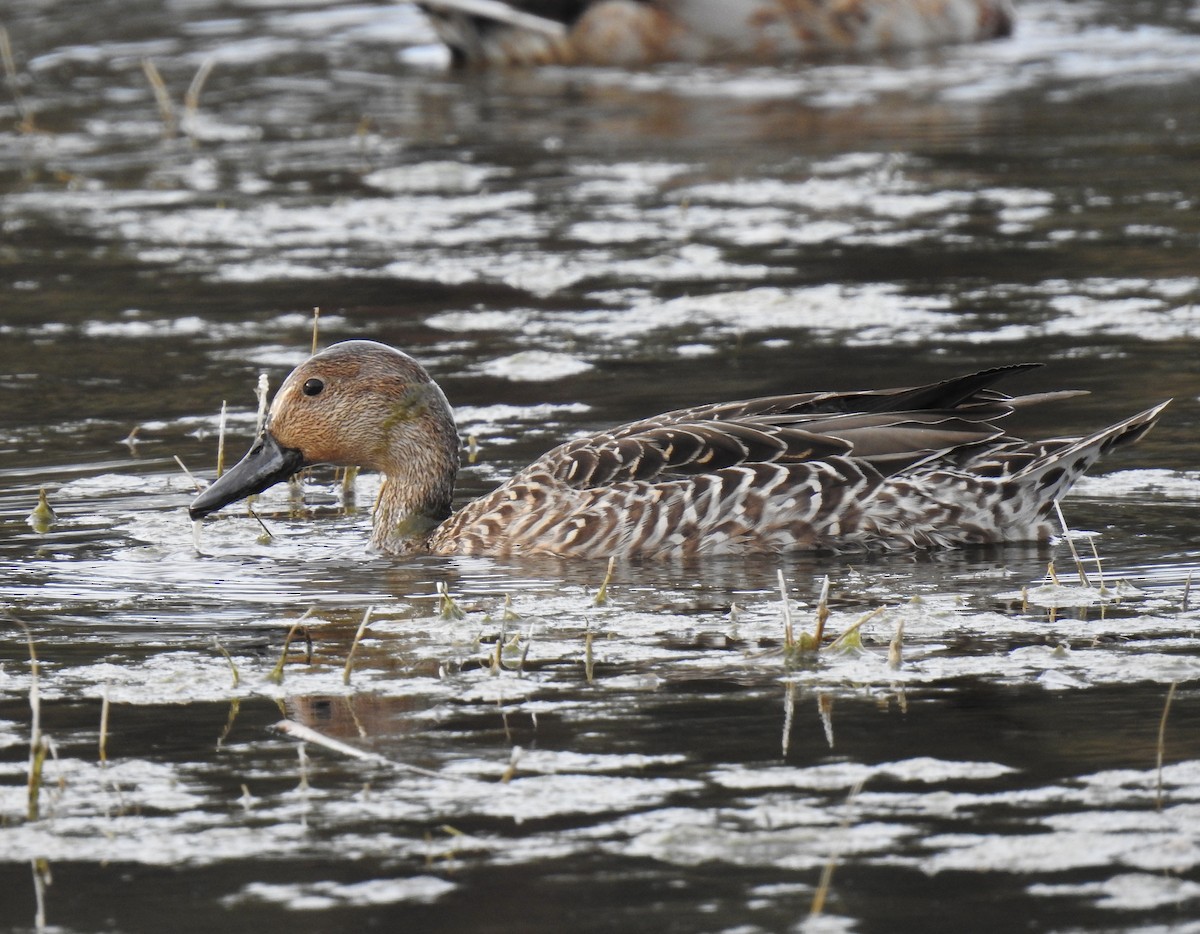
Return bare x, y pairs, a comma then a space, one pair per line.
566, 250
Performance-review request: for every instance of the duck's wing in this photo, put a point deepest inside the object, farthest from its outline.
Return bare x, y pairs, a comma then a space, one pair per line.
890, 430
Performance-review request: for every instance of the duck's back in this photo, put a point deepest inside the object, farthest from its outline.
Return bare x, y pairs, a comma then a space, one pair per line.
894, 469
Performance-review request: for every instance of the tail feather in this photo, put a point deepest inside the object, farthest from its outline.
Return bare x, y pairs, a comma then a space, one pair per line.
1054, 473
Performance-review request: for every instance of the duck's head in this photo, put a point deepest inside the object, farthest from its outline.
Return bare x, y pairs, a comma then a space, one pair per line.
358, 403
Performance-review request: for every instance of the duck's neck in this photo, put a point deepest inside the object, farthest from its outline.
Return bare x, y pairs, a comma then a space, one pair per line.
405, 518
418, 484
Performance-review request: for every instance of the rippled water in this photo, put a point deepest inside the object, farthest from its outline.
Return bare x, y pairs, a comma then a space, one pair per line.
566, 250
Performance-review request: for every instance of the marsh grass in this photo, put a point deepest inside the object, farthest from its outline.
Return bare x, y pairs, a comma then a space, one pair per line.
448, 609
316, 330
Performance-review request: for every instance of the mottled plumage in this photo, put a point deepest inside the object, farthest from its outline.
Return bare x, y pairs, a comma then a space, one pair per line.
885, 469
641, 32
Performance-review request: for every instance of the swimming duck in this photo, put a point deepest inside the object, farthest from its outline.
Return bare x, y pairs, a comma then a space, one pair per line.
642, 32
879, 469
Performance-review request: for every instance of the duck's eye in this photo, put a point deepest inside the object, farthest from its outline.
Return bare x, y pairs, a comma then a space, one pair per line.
313, 387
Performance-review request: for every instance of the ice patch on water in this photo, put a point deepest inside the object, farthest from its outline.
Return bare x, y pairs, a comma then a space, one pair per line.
318, 896
535, 366
1125, 892
435, 176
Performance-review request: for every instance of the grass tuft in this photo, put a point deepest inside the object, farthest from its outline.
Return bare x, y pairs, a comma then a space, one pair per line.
43, 517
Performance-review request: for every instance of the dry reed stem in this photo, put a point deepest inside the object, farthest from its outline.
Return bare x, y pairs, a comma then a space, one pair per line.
316, 328
362, 627
588, 660
162, 97
822, 892
896, 647
189, 474
191, 100
37, 742
852, 629
789, 715
1162, 743
276, 674
307, 734
1083, 578
1099, 566
260, 393
104, 726
510, 771
602, 593
228, 658
221, 437
789, 633
823, 614
10, 73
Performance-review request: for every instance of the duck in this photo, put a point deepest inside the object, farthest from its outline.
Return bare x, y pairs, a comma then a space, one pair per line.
868, 470
635, 33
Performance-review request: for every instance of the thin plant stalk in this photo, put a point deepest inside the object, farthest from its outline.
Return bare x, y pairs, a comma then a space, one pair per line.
362, 627
189, 474
162, 97
221, 437
602, 593
276, 674
316, 328
896, 647
1083, 578
307, 734
260, 392
10, 74
104, 726
789, 715
1162, 743
789, 633
823, 614
191, 100
228, 658
822, 892
852, 629
37, 742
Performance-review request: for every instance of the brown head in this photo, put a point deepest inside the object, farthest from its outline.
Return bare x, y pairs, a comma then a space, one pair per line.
358, 403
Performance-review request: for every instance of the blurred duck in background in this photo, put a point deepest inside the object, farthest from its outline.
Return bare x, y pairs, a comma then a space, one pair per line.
644, 32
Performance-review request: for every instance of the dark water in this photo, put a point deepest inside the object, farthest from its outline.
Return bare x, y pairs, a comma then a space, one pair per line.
566, 250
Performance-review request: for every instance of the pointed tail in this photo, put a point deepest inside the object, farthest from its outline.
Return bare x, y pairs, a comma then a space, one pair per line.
1056, 471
